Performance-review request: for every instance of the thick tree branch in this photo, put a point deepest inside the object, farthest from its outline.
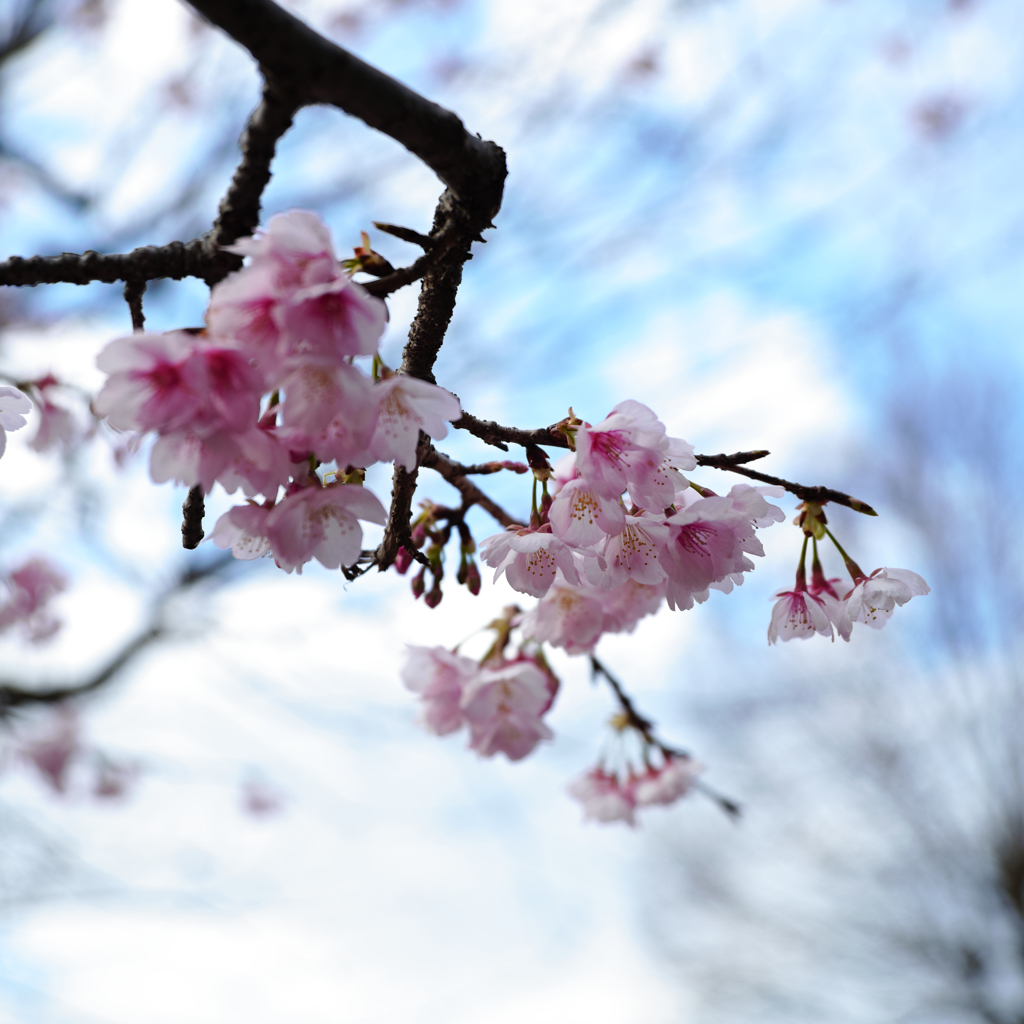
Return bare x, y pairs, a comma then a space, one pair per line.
305, 64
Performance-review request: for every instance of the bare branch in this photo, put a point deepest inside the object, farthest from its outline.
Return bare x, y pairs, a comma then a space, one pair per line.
455, 473
305, 64
425, 242
817, 494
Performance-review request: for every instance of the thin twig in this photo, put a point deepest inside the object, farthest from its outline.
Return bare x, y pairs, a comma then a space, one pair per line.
133, 292
455, 474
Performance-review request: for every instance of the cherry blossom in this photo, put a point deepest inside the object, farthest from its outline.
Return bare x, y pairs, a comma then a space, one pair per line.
296, 246
321, 523
825, 591
798, 615
440, 678
603, 797
31, 587
581, 517
330, 321
13, 406
529, 559
567, 617
665, 785
502, 707
405, 406
52, 753
633, 553
873, 599
244, 530
628, 450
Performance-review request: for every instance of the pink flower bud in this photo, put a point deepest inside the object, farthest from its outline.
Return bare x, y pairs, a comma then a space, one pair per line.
402, 561
418, 585
473, 578
433, 598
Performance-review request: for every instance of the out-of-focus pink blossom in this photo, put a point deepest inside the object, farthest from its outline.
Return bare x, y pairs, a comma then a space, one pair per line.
330, 410
626, 605
603, 797
530, 559
260, 800
322, 523
13, 407
51, 754
113, 779
873, 600
329, 322
665, 785
30, 589
440, 678
567, 617
296, 246
405, 406
503, 707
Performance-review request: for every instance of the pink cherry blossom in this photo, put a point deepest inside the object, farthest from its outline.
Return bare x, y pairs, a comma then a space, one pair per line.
529, 559
626, 605
329, 322
503, 706
296, 245
329, 410
707, 542
567, 617
873, 600
798, 615
603, 797
30, 589
13, 406
629, 451
56, 429
636, 553
440, 678
835, 608
582, 517
665, 785
51, 753
405, 406
243, 309
244, 530
152, 385
322, 523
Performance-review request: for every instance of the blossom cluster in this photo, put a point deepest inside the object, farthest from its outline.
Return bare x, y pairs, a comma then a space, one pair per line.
502, 701
610, 796
624, 530
269, 392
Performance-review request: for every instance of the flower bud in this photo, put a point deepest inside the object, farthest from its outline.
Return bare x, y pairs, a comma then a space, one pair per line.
402, 561
433, 599
473, 578
419, 534
418, 586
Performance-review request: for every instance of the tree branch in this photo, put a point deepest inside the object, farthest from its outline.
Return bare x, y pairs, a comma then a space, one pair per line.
305, 64
455, 473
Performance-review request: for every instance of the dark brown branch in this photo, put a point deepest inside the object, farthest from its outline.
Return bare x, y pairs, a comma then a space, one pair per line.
499, 437
175, 260
817, 494
728, 461
455, 473
13, 695
239, 212
305, 64
425, 242
193, 510
133, 292
397, 532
